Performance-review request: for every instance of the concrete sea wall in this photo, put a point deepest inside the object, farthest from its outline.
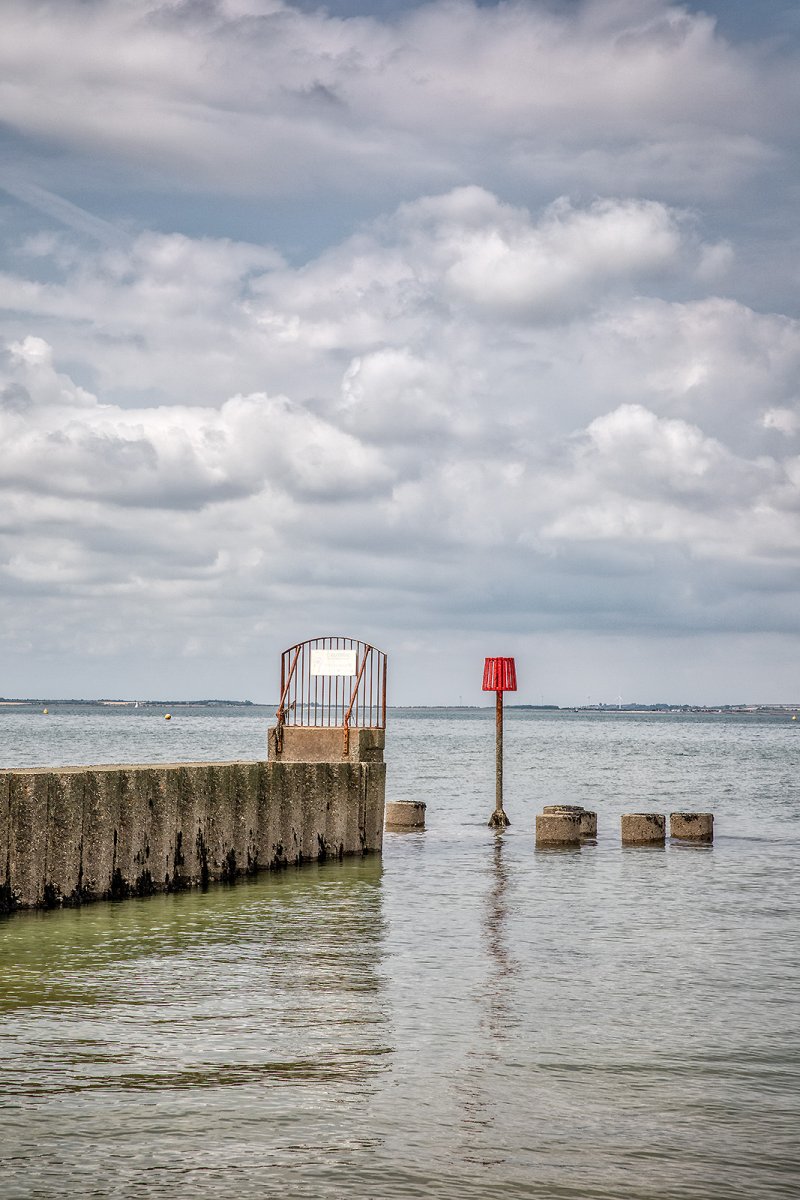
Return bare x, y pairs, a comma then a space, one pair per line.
75, 834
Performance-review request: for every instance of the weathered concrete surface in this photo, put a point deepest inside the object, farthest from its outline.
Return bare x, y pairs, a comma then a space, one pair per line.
5, 898
558, 829
76, 834
691, 826
587, 818
589, 825
302, 743
639, 829
405, 814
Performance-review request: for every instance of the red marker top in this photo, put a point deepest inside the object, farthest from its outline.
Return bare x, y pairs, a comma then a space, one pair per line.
499, 675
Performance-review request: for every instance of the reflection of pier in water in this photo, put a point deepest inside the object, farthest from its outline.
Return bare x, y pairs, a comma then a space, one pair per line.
504, 965
480, 1088
274, 984
320, 950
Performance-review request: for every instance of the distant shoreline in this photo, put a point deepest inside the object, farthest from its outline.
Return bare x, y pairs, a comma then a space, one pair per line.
644, 710
141, 703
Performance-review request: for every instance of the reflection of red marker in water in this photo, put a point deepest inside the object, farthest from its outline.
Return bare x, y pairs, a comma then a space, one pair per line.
499, 675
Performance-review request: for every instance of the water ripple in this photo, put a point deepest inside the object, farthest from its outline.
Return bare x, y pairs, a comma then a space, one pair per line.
464, 1019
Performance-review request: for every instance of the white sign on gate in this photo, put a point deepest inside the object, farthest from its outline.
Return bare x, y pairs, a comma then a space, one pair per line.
333, 662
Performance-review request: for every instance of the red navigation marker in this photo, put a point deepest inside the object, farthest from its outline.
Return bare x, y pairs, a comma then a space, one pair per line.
499, 675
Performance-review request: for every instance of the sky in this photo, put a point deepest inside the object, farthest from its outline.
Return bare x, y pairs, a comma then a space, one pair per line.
462, 329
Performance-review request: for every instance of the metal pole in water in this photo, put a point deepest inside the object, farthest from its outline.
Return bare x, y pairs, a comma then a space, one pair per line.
499, 820
499, 675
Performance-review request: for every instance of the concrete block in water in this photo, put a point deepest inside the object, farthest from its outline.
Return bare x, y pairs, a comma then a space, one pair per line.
132, 866
587, 819
88, 833
405, 814
641, 829
558, 829
588, 824
692, 826
27, 838
100, 834
247, 815
64, 857
191, 797
374, 776
163, 815
5, 878
221, 807
313, 805
326, 744
220, 830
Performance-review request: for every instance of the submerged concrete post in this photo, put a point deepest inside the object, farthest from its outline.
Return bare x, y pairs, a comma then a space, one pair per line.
641, 829
76, 834
691, 826
558, 829
588, 820
405, 814
588, 824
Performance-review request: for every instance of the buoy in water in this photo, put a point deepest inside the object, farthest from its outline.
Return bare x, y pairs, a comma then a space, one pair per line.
45, 711
167, 716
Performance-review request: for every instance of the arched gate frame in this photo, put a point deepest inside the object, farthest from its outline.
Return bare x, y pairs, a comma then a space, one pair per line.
330, 682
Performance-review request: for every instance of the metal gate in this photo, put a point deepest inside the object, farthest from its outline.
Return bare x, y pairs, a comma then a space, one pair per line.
332, 682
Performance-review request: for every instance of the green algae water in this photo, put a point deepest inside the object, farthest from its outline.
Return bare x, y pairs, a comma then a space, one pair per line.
464, 1017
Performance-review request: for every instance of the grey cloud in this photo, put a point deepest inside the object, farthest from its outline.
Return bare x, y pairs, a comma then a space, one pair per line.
533, 399
436, 448
15, 397
173, 457
215, 94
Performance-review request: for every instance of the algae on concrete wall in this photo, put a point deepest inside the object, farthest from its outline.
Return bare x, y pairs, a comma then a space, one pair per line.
77, 834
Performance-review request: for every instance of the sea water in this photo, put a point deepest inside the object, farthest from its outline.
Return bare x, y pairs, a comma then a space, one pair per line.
463, 1017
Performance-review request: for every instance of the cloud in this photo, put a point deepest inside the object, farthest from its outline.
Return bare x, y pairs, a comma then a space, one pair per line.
643, 480
485, 330
267, 99
601, 460
508, 267
66, 444
785, 420
192, 319
539, 382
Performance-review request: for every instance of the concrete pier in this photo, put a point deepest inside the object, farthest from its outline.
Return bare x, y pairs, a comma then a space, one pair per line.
558, 829
691, 826
75, 834
641, 829
405, 814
